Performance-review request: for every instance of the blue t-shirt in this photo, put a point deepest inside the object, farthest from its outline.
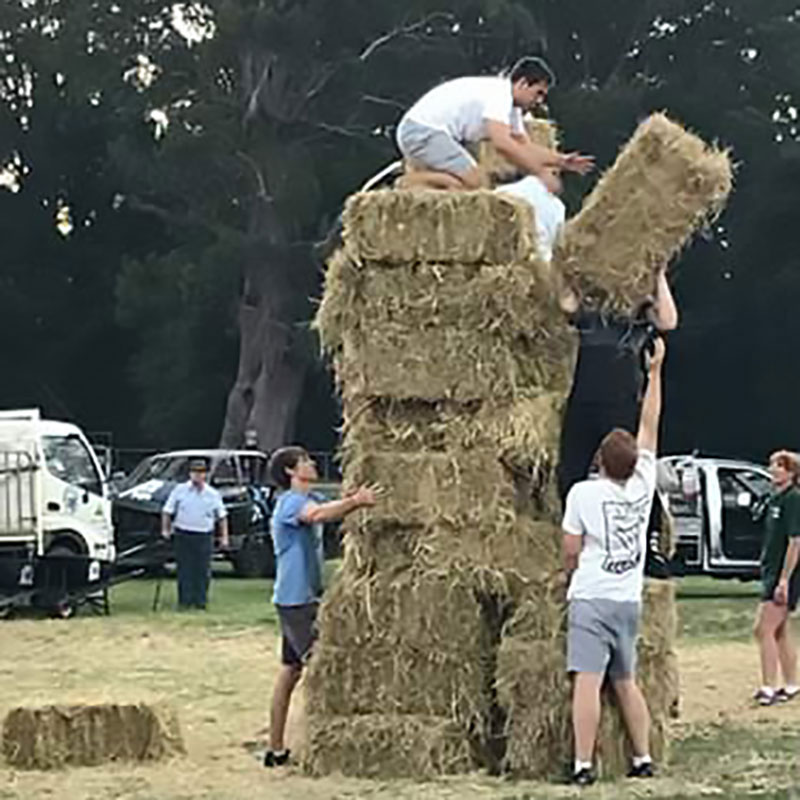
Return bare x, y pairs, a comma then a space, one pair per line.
298, 552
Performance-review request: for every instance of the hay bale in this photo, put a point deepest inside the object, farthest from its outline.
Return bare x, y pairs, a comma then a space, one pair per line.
533, 688
659, 626
382, 648
497, 168
509, 300
387, 746
53, 737
463, 366
664, 185
409, 227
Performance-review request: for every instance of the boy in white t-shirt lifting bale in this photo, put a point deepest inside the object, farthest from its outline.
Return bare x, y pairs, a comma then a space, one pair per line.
605, 532
433, 133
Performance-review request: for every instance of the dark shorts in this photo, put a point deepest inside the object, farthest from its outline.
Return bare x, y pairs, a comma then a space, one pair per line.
298, 631
768, 592
602, 637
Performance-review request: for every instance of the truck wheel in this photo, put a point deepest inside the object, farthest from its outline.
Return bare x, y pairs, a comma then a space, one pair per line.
254, 559
60, 608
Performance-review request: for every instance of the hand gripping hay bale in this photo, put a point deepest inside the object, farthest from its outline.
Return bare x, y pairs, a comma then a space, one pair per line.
52, 737
497, 168
382, 650
410, 227
665, 184
387, 746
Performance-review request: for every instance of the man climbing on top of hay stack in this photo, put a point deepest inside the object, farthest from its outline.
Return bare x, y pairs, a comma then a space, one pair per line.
605, 526
433, 133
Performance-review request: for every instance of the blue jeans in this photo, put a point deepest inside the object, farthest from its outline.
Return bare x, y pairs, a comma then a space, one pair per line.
193, 553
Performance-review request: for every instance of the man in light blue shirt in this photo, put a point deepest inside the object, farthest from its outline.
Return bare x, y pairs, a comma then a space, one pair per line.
297, 521
194, 510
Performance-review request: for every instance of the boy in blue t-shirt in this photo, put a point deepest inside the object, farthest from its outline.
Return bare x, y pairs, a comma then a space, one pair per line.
297, 522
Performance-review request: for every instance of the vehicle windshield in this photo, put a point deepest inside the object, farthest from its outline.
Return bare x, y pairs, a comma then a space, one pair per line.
68, 459
164, 468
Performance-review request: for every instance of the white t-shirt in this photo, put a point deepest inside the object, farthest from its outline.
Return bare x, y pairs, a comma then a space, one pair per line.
612, 517
548, 211
462, 106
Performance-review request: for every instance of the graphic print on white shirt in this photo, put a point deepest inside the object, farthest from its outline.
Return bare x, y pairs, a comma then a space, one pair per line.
611, 517
624, 521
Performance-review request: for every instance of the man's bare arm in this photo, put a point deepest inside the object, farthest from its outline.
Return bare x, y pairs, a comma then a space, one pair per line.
166, 526
531, 157
647, 438
664, 313
572, 550
224, 538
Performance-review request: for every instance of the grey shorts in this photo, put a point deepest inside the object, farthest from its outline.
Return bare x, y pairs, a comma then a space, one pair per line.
298, 631
432, 148
602, 637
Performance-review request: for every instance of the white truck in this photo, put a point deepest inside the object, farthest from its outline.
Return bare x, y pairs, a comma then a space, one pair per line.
55, 513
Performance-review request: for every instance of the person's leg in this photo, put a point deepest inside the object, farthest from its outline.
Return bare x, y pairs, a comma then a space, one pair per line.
205, 551
769, 619
585, 714
288, 676
182, 561
578, 445
427, 179
787, 654
436, 160
635, 713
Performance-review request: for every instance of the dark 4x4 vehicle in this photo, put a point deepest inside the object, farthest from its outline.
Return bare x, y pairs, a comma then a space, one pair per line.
239, 476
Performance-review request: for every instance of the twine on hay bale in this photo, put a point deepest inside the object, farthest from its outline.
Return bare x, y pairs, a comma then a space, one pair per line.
57, 736
409, 227
665, 184
387, 746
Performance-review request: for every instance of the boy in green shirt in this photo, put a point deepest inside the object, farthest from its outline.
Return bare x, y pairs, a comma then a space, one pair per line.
780, 581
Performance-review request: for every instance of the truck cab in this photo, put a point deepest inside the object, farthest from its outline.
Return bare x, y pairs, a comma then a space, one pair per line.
53, 494
717, 505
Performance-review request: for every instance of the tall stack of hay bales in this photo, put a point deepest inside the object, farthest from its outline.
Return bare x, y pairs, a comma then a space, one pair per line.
442, 642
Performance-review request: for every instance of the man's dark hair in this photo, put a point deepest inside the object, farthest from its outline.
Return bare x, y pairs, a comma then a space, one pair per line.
618, 454
533, 70
281, 460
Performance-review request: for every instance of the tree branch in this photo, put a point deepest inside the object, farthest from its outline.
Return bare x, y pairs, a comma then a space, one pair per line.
404, 30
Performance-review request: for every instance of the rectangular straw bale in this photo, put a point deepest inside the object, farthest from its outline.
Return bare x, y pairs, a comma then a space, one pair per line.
659, 623
533, 689
497, 168
383, 648
471, 487
522, 430
664, 185
659, 678
406, 227
613, 752
53, 737
388, 747
454, 363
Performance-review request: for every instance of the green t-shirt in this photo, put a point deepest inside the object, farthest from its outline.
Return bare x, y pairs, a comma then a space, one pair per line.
782, 523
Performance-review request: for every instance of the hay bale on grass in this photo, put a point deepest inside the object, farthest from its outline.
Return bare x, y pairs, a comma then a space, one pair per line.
387, 746
382, 648
52, 737
665, 184
409, 227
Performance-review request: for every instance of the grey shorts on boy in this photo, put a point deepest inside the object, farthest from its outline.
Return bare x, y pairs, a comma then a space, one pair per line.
602, 637
432, 148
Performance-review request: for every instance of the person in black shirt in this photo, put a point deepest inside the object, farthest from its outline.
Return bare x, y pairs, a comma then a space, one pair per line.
609, 380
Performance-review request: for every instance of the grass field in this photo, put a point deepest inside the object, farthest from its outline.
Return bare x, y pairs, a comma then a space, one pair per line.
217, 669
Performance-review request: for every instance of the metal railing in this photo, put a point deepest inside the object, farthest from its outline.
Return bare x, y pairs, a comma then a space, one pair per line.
18, 489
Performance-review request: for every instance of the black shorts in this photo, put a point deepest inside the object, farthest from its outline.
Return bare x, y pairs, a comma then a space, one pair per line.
768, 592
298, 632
